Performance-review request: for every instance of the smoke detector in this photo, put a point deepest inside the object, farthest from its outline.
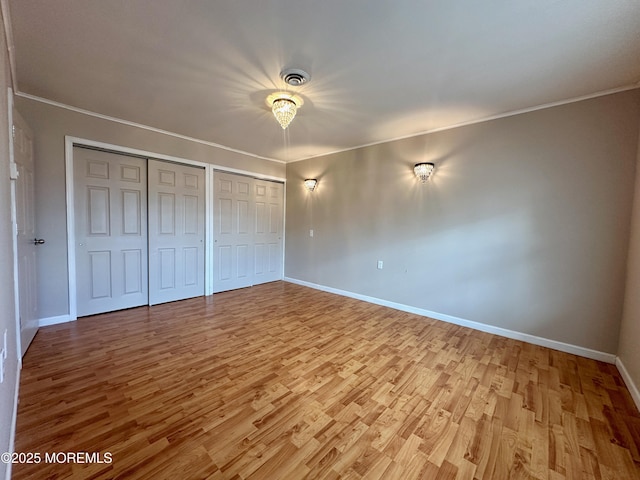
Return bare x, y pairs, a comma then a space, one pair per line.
294, 76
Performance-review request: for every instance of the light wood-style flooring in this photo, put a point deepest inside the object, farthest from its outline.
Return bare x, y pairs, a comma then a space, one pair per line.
280, 381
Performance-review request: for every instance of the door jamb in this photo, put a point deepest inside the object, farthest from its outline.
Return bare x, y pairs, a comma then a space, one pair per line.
14, 227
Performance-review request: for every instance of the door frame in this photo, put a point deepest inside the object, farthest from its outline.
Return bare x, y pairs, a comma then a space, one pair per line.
13, 175
71, 141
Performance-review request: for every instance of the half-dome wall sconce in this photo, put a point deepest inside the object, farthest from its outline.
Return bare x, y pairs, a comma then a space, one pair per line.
310, 184
423, 170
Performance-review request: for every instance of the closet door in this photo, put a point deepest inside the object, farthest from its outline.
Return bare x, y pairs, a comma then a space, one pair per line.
176, 231
110, 194
233, 231
268, 226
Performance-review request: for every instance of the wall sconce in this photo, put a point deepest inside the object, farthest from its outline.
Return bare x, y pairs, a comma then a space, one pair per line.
423, 170
310, 184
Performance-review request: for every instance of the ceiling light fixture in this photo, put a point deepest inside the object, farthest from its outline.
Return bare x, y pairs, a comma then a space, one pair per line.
284, 107
423, 170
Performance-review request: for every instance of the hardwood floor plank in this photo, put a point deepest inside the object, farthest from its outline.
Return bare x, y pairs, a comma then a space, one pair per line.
281, 381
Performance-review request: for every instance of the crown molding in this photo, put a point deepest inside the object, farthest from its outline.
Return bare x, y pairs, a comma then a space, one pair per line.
141, 126
511, 113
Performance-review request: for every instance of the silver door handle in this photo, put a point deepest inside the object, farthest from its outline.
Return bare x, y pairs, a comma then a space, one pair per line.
38, 241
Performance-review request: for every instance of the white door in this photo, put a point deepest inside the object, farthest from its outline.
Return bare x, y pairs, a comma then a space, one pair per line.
176, 232
111, 231
267, 243
27, 242
232, 232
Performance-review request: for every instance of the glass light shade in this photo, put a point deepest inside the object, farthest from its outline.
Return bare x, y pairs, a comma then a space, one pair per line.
310, 184
284, 110
423, 170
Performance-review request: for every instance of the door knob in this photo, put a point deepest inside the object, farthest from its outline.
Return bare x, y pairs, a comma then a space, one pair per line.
38, 241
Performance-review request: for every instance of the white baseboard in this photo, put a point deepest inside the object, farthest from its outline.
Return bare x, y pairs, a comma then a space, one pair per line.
45, 322
503, 332
14, 420
633, 388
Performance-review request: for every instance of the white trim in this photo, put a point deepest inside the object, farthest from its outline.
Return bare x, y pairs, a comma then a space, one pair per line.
71, 227
284, 229
14, 232
11, 48
132, 151
482, 120
633, 388
142, 126
45, 322
14, 420
208, 233
258, 176
503, 332
16, 290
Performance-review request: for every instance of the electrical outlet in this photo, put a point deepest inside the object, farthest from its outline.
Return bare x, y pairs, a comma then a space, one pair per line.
311, 233
380, 264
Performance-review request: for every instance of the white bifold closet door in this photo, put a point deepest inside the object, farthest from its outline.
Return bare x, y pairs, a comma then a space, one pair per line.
176, 232
247, 233
110, 194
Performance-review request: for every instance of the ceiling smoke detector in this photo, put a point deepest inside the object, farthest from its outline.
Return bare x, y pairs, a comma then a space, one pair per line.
295, 77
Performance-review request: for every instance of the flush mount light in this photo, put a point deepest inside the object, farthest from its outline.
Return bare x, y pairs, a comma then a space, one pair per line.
284, 106
310, 184
423, 170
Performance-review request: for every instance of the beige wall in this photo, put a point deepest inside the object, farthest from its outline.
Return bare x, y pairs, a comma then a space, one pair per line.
524, 225
51, 124
7, 306
629, 349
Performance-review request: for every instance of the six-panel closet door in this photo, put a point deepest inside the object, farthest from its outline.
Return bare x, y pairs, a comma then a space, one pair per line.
233, 231
176, 232
268, 228
110, 194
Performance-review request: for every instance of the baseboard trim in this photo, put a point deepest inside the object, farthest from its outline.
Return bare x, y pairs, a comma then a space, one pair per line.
633, 388
503, 332
45, 322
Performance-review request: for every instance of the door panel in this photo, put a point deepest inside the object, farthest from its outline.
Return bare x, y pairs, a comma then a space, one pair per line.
232, 235
176, 232
131, 212
26, 233
268, 231
132, 271
111, 231
247, 231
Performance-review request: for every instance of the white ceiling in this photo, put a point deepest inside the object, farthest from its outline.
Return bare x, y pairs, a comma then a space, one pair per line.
381, 69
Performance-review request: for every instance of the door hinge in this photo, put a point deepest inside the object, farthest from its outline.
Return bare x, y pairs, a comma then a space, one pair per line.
13, 171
